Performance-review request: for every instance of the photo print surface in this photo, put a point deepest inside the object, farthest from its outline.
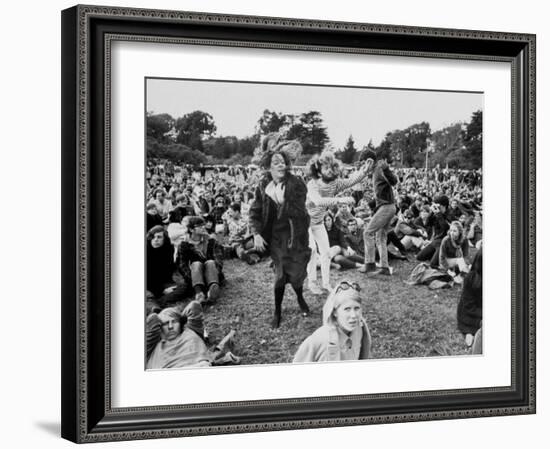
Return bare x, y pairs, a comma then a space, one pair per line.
292, 223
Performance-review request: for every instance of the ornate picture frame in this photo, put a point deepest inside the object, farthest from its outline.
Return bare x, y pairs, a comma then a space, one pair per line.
88, 33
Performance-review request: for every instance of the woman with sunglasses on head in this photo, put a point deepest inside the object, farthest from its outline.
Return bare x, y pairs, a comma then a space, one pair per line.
344, 334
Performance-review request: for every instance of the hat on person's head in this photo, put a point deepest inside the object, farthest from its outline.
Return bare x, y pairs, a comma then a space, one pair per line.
443, 200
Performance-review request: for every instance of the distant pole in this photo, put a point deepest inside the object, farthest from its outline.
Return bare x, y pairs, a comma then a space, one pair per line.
428, 147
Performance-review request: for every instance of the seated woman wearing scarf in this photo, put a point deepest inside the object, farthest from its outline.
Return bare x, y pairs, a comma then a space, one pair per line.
344, 335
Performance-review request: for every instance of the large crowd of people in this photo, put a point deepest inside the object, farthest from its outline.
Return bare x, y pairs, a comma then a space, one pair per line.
322, 215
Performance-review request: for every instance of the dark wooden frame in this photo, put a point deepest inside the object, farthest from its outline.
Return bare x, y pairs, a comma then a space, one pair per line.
87, 32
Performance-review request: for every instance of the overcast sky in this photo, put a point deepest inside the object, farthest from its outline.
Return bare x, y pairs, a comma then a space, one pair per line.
365, 113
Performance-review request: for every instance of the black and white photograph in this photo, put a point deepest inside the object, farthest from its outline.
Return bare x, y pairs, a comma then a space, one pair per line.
294, 223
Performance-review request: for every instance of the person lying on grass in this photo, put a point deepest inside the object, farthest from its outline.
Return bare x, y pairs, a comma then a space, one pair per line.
175, 339
344, 334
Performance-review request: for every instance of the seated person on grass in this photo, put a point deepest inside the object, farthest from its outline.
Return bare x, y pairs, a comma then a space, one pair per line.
410, 235
355, 239
341, 256
163, 205
452, 254
153, 217
200, 261
237, 228
440, 225
163, 283
425, 222
177, 229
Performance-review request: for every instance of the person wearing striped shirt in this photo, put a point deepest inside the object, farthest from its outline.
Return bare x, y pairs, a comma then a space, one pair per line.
322, 192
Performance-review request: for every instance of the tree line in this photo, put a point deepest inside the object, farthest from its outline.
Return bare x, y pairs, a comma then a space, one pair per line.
192, 139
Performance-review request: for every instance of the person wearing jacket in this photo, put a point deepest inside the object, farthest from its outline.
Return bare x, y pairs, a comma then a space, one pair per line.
376, 231
453, 251
425, 221
408, 233
279, 221
344, 334
163, 283
440, 227
200, 261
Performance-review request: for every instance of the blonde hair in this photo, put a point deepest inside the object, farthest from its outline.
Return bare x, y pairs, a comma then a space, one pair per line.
327, 159
334, 300
458, 226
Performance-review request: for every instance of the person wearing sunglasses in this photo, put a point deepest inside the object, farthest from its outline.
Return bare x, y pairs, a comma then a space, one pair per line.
344, 334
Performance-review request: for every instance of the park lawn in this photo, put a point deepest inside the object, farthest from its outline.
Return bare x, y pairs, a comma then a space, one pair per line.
405, 321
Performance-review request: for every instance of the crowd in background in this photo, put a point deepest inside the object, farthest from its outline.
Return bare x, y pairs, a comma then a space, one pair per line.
197, 219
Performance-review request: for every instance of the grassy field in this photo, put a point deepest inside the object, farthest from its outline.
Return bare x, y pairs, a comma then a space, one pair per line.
405, 321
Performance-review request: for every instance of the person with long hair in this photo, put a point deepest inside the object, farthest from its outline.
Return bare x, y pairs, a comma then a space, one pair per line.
344, 334
322, 190
279, 221
451, 255
163, 284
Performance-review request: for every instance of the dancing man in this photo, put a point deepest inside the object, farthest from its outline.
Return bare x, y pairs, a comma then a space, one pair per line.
322, 189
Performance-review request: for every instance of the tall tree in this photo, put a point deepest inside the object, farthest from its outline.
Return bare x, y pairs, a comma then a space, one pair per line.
309, 129
445, 141
193, 128
272, 121
347, 155
408, 145
473, 140
383, 151
159, 126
